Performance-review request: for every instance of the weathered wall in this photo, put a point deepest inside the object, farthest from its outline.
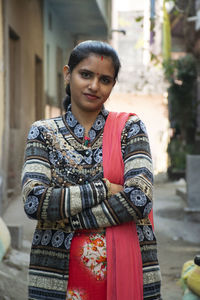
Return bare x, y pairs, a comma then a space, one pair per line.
55, 38
25, 19
1, 99
138, 74
105, 7
1, 79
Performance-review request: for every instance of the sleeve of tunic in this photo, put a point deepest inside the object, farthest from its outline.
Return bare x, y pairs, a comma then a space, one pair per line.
135, 201
42, 200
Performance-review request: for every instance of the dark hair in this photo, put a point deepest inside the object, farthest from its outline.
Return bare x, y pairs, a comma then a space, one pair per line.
82, 51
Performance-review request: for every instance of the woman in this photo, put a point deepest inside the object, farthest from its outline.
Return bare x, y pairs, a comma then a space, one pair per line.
86, 245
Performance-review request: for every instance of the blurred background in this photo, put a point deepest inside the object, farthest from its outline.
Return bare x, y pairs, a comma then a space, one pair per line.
158, 42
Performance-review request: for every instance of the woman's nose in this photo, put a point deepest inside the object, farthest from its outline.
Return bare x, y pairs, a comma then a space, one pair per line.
94, 84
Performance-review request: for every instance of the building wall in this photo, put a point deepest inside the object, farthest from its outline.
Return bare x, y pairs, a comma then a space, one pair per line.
1, 99
129, 5
1, 80
24, 98
105, 7
57, 46
138, 74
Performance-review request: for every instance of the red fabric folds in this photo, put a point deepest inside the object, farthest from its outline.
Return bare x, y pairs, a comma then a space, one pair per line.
124, 262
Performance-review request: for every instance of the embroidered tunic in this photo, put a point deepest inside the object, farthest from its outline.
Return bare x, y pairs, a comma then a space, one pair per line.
64, 191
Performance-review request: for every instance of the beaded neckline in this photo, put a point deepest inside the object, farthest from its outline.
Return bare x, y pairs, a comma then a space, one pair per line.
78, 131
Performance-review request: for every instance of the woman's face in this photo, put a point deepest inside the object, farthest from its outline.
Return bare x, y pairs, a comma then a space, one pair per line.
91, 83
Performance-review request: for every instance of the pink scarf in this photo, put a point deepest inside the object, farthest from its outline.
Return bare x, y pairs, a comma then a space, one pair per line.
124, 262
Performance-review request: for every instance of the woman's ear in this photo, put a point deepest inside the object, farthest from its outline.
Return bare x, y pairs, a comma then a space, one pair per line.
66, 74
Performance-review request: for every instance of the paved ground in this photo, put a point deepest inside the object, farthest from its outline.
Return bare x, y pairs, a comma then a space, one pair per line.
178, 241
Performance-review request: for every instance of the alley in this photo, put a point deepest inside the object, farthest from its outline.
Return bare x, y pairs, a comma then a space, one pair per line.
178, 240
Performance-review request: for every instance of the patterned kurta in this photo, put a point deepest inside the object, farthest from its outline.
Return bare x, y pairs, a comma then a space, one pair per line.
64, 191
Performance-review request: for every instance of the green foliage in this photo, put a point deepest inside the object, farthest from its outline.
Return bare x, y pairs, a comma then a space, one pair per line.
139, 19
177, 152
169, 67
181, 75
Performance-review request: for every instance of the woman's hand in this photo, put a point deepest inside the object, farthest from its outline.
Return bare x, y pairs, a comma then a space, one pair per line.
112, 188
115, 188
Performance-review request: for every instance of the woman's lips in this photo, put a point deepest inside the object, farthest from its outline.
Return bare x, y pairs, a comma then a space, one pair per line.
91, 97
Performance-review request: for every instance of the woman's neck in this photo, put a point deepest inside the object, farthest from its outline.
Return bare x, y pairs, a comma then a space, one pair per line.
86, 118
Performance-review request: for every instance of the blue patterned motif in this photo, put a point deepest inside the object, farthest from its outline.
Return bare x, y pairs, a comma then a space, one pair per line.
79, 131
134, 130
71, 119
148, 233
37, 237
99, 123
138, 198
92, 134
58, 239
147, 209
143, 127
33, 133
46, 237
68, 240
140, 234
31, 205
98, 155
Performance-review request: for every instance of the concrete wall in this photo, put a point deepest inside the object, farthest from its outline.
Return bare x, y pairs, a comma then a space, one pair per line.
25, 19
55, 38
1, 80
128, 5
105, 7
1, 99
138, 75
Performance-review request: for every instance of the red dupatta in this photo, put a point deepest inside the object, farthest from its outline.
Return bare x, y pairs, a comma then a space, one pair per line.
124, 262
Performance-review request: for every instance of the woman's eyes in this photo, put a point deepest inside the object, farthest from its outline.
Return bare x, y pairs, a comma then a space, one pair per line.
88, 75
105, 80
85, 75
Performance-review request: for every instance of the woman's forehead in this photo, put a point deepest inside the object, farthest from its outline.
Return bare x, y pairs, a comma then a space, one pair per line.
101, 62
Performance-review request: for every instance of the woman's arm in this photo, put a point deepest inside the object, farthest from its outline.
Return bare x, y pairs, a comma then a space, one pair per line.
43, 201
135, 201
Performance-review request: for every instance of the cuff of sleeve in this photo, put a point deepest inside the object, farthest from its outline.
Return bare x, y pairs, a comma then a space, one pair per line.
108, 187
101, 190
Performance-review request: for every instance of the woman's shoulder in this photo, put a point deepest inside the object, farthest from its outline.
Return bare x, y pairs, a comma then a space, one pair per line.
47, 123
40, 127
134, 126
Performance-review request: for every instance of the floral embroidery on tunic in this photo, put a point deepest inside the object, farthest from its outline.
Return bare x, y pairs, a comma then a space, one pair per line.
94, 255
76, 295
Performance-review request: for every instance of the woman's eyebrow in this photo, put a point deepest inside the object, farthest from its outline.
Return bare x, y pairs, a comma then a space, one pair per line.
86, 70
107, 76
91, 72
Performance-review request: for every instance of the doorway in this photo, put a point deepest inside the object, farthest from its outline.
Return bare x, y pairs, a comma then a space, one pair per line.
14, 107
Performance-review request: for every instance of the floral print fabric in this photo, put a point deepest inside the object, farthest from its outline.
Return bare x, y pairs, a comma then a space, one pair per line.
88, 266
94, 255
75, 295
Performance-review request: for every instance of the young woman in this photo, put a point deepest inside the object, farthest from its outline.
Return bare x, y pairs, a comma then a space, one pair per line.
87, 179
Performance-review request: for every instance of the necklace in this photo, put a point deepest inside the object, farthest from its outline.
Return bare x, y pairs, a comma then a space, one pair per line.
86, 141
